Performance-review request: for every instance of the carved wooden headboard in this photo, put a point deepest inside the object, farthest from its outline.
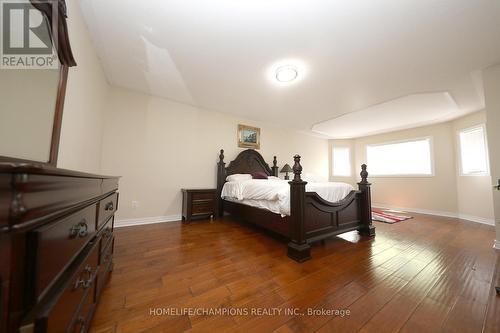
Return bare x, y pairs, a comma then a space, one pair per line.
248, 161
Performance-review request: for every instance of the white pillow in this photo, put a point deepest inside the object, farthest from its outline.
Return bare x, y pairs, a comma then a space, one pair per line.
238, 177
274, 177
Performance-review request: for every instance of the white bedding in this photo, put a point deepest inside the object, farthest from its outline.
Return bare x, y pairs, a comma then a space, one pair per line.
255, 192
271, 205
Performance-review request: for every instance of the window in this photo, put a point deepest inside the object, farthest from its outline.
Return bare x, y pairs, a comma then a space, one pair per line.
473, 152
408, 158
341, 162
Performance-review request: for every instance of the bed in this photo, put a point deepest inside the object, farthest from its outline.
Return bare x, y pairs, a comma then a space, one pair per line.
309, 217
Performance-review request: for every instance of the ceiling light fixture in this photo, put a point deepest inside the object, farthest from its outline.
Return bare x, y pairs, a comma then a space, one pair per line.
286, 73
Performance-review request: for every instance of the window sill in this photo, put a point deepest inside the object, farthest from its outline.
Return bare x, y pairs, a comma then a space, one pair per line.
474, 175
400, 176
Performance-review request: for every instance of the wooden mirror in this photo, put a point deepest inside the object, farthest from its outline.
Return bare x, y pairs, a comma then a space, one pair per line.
36, 55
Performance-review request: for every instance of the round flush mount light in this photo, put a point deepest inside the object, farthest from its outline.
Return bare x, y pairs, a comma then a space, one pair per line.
286, 74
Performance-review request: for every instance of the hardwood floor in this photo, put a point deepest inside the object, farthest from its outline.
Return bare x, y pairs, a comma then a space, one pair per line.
427, 274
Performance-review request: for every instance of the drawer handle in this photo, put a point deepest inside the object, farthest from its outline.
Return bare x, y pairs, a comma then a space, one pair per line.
82, 282
106, 233
80, 229
109, 206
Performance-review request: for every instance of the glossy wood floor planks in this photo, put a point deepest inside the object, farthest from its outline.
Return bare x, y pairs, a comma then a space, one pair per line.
428, 274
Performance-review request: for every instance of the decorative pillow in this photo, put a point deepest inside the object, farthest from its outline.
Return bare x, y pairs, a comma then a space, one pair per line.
259, 175
238, 177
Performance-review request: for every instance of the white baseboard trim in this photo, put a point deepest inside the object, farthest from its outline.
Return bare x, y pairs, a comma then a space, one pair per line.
146, 220
175, 218
476, 219
496, 245
438, 213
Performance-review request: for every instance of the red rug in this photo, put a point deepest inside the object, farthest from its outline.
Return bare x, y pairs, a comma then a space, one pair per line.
388, 216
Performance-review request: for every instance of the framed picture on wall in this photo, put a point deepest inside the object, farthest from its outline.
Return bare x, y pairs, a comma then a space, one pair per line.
248, 137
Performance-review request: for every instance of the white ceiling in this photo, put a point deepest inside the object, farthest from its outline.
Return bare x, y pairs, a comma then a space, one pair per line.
355, 56
405, 112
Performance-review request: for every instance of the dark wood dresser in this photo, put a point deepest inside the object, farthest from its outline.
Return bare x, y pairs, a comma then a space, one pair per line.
198, 203
56, 246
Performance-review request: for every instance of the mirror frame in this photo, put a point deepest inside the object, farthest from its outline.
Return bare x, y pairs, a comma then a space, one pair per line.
56, 19
57, 124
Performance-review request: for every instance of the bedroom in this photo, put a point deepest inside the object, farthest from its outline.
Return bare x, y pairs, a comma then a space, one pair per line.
151, 91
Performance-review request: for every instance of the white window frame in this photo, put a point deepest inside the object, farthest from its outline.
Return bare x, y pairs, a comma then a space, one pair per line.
405, 175
459, 145
350, 162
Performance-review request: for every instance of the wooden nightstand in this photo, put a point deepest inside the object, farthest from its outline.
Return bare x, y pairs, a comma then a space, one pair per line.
198, 203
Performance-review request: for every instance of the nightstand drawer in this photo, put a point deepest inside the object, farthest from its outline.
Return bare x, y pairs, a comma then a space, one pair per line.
198, 203
204, 207
203, 196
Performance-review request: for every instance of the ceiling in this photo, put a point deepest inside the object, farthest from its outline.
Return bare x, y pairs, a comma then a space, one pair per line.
354, 56
405, 112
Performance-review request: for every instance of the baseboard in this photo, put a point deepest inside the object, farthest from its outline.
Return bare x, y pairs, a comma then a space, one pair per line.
476, 219
146, 220
496, 245
471, 218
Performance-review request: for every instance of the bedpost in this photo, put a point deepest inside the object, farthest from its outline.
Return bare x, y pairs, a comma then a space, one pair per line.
366, 204
221, 178
275, 167
298, 248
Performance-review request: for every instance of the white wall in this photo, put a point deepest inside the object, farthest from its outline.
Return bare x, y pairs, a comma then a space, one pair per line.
492, 98
160, 146
436, 193
87, 89
473, 192
447, 192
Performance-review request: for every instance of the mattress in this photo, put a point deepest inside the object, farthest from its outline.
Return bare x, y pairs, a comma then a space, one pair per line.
274, 194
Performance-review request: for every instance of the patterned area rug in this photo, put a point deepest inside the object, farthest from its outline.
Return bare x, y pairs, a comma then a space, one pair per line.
388, 216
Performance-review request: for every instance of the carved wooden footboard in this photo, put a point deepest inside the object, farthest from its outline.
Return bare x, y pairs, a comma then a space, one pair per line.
311, 217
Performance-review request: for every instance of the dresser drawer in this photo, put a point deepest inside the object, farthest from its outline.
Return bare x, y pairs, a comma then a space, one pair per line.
81, 321
106, 234
107, 207
102, 278
106, 252
76, 298
105, 263
203, 207
58, 243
